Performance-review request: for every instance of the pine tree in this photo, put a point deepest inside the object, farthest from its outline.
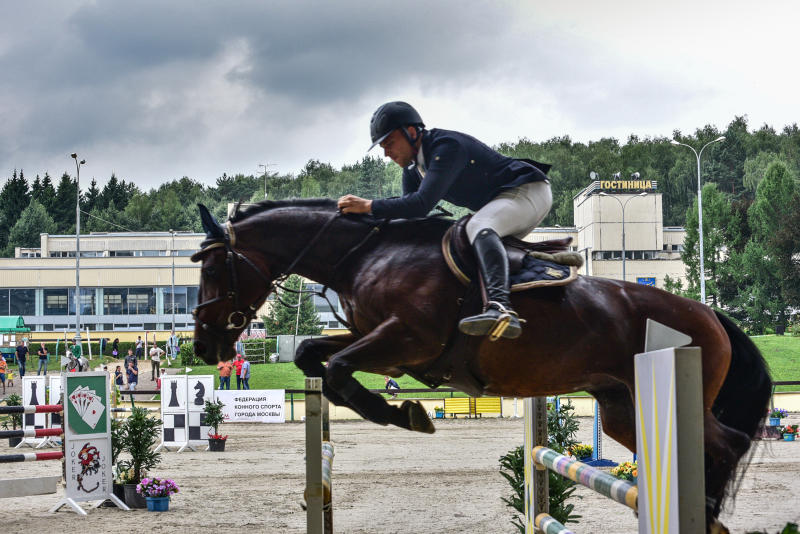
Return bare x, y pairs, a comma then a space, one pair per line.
48, 195
283, 319
14, 197
91, 198
63, 210
33, 221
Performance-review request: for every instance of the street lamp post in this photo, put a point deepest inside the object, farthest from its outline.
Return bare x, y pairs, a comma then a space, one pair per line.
700, 211
265, 177
623, 205
172, 253
78, 248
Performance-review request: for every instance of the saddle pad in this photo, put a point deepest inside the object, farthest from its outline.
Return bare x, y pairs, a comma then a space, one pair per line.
537, 269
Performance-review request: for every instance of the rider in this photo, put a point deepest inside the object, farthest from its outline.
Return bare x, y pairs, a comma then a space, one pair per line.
509, 197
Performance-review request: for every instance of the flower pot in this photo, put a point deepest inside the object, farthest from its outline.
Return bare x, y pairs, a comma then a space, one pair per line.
133, 499
13, 442
585, 458
119, 491
157, 504
439, 415
774, 421
788, 437
216, 445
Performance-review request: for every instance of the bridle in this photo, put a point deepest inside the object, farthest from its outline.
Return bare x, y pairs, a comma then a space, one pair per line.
239, 317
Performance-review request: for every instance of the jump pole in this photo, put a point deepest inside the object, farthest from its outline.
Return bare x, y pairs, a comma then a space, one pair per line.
319, 461
670, 496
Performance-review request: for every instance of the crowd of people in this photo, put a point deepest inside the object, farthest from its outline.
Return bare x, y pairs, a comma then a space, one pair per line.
242, 367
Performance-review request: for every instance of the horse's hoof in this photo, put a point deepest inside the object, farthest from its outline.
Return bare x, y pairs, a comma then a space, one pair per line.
418, 419
717, 528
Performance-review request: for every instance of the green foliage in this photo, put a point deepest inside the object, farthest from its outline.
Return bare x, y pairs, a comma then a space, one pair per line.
32, 221
14, 197
562, 425
117, 438
187, 355
139, 435
214, 416
15, 419
789, 528
285, 320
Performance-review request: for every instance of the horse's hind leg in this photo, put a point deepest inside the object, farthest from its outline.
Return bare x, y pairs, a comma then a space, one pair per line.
386, 347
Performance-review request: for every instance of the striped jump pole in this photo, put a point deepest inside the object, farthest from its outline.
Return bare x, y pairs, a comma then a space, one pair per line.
30, 457
37, 408
32, 433
603, 483
547, 524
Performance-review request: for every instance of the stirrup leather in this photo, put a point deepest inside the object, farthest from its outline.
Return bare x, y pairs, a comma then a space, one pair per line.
502, 322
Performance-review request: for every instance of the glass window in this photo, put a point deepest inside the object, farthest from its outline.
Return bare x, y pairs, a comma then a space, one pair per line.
56, 302
146, 253
179, 302
191, 297
149, 326
87, 301
114, 301
118, 253
4, 302
185, 252
141, 300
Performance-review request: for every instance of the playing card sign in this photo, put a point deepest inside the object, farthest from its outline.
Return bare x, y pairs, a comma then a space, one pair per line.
86, 404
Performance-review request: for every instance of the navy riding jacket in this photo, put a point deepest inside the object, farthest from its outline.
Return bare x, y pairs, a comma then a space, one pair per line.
459, 169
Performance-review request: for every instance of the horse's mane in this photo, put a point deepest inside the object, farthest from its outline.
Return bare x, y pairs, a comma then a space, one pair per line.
423, 224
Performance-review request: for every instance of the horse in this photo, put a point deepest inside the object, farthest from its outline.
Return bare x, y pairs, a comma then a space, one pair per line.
403, 305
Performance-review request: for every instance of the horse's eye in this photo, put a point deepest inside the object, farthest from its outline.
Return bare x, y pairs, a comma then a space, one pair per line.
210, 272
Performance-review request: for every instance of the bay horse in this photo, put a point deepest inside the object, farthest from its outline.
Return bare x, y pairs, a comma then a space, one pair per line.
403, 305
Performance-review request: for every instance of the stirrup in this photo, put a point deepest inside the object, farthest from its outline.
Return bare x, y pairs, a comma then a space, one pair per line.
502, 322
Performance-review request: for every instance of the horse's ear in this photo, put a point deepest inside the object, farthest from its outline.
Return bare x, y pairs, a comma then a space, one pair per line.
210, 225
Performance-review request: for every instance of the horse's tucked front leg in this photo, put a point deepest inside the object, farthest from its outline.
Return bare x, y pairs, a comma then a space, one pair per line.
389, 345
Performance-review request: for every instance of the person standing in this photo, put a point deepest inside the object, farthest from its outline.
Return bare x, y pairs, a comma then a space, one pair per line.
139, 348
225, 370
238, 364
115, 347
173, 343
42, 359
103, 343
133, 375
3, 371
118, 377
130, 358
245, 373
22, 357
155, 357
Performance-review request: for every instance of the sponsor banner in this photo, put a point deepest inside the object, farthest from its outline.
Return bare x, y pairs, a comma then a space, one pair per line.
253, 405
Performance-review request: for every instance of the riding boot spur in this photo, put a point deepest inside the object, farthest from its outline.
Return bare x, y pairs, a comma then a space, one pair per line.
498, 319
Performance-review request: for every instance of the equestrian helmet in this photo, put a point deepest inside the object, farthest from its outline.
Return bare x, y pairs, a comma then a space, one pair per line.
391, 116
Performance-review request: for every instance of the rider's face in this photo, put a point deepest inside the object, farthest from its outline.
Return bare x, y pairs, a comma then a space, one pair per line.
397, 148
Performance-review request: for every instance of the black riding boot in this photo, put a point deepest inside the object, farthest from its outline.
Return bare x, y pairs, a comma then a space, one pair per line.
497, 319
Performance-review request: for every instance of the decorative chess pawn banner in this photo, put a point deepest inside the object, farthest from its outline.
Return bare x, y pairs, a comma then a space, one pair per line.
183, 399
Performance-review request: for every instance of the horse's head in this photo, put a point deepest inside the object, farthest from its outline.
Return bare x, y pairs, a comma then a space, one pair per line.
232, 288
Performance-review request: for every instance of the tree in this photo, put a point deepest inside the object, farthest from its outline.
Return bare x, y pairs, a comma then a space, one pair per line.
33, 221
14, 197
63, 210
282, 319
91, 198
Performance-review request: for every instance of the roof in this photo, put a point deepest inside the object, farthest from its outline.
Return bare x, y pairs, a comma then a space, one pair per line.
13, 323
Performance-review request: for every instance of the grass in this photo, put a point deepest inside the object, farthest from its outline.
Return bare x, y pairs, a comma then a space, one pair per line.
782, 354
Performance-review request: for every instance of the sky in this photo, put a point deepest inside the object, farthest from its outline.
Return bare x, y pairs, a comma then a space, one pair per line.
153, 91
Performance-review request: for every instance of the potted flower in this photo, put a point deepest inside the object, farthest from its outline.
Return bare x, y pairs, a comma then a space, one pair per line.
775, 416
139, 436
14, 419
156, 492
626, 471
439, 411
789, 432
214, 418
580, 451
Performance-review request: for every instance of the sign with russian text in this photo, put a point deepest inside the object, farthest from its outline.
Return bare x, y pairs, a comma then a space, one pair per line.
253, 405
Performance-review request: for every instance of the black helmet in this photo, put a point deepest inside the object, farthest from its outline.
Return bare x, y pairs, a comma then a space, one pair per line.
390, 117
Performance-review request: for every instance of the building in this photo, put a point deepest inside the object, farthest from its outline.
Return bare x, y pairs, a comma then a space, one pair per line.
127, 279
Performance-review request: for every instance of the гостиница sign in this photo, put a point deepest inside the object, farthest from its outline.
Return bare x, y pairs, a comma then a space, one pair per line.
253, 405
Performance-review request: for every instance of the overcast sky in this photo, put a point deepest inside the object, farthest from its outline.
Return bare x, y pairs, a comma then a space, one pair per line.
154, 90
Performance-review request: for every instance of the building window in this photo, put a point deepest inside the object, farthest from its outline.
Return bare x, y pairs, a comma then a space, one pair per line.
4, 301
120, 253
179, 300
87, 301
141, 300
147, 253
184, 252
114, 301
56, 302
62, 254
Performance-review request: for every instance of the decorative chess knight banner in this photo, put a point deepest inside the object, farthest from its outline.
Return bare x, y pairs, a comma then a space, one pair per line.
183, 410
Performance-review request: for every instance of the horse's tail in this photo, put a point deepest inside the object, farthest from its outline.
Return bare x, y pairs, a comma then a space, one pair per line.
743, 401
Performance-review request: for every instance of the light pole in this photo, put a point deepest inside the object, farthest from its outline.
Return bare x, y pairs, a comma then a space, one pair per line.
172, 253
700, 211
78, 248
623, 205
265, 177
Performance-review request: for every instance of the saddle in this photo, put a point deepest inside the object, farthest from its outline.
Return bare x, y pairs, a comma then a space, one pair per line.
530, 265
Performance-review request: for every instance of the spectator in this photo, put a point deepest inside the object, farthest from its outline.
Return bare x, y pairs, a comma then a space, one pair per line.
245, 373
10, 377
237, 362
155, 356
158, 382
390, 385
22, 357
139, 349
173, 343
103, 343
115, 347
3, 371
42, 359
225, 370
133, 375
118, 379
130, 358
